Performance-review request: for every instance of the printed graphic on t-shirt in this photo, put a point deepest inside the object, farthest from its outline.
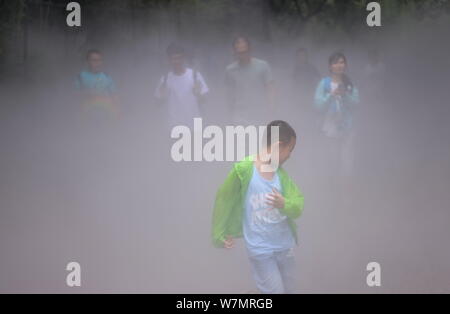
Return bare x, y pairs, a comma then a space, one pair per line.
263, 213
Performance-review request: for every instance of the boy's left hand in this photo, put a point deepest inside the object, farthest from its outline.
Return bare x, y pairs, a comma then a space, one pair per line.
275, 199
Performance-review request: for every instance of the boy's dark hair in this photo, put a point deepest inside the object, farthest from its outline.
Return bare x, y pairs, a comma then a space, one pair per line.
93, 52
285, 132
241, 37
174, 49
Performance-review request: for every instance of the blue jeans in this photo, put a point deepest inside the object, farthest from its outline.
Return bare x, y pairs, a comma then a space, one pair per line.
274, 273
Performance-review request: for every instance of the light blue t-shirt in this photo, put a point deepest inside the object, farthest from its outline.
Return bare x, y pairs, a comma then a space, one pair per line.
96, 84
266, 230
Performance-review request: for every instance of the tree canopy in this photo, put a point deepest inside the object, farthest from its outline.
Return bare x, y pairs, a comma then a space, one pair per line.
226, 16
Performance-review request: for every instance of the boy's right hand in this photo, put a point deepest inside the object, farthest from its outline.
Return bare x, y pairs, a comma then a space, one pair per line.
228, 243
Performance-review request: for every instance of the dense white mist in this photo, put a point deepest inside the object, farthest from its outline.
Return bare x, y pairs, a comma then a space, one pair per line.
105, 193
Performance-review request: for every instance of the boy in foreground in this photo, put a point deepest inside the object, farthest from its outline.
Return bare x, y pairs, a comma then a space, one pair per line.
261, 207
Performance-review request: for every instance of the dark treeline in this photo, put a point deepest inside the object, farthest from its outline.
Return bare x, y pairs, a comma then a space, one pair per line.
109, 195
192, 20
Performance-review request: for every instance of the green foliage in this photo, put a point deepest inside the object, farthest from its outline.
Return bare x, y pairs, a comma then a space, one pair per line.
348, 15
11, 15
196, 18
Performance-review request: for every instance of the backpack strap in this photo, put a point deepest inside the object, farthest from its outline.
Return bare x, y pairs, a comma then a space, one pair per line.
195, 75
165, 78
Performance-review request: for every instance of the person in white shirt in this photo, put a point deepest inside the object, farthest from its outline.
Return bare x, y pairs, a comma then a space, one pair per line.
182, 90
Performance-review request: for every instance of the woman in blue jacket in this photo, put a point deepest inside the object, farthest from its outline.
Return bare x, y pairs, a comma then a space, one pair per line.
336, 97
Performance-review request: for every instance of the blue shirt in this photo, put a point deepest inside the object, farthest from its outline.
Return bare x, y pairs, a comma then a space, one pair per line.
266, 230
96, 84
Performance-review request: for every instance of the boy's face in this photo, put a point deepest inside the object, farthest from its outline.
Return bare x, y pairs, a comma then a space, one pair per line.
176, 61
285, 150
95, 62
